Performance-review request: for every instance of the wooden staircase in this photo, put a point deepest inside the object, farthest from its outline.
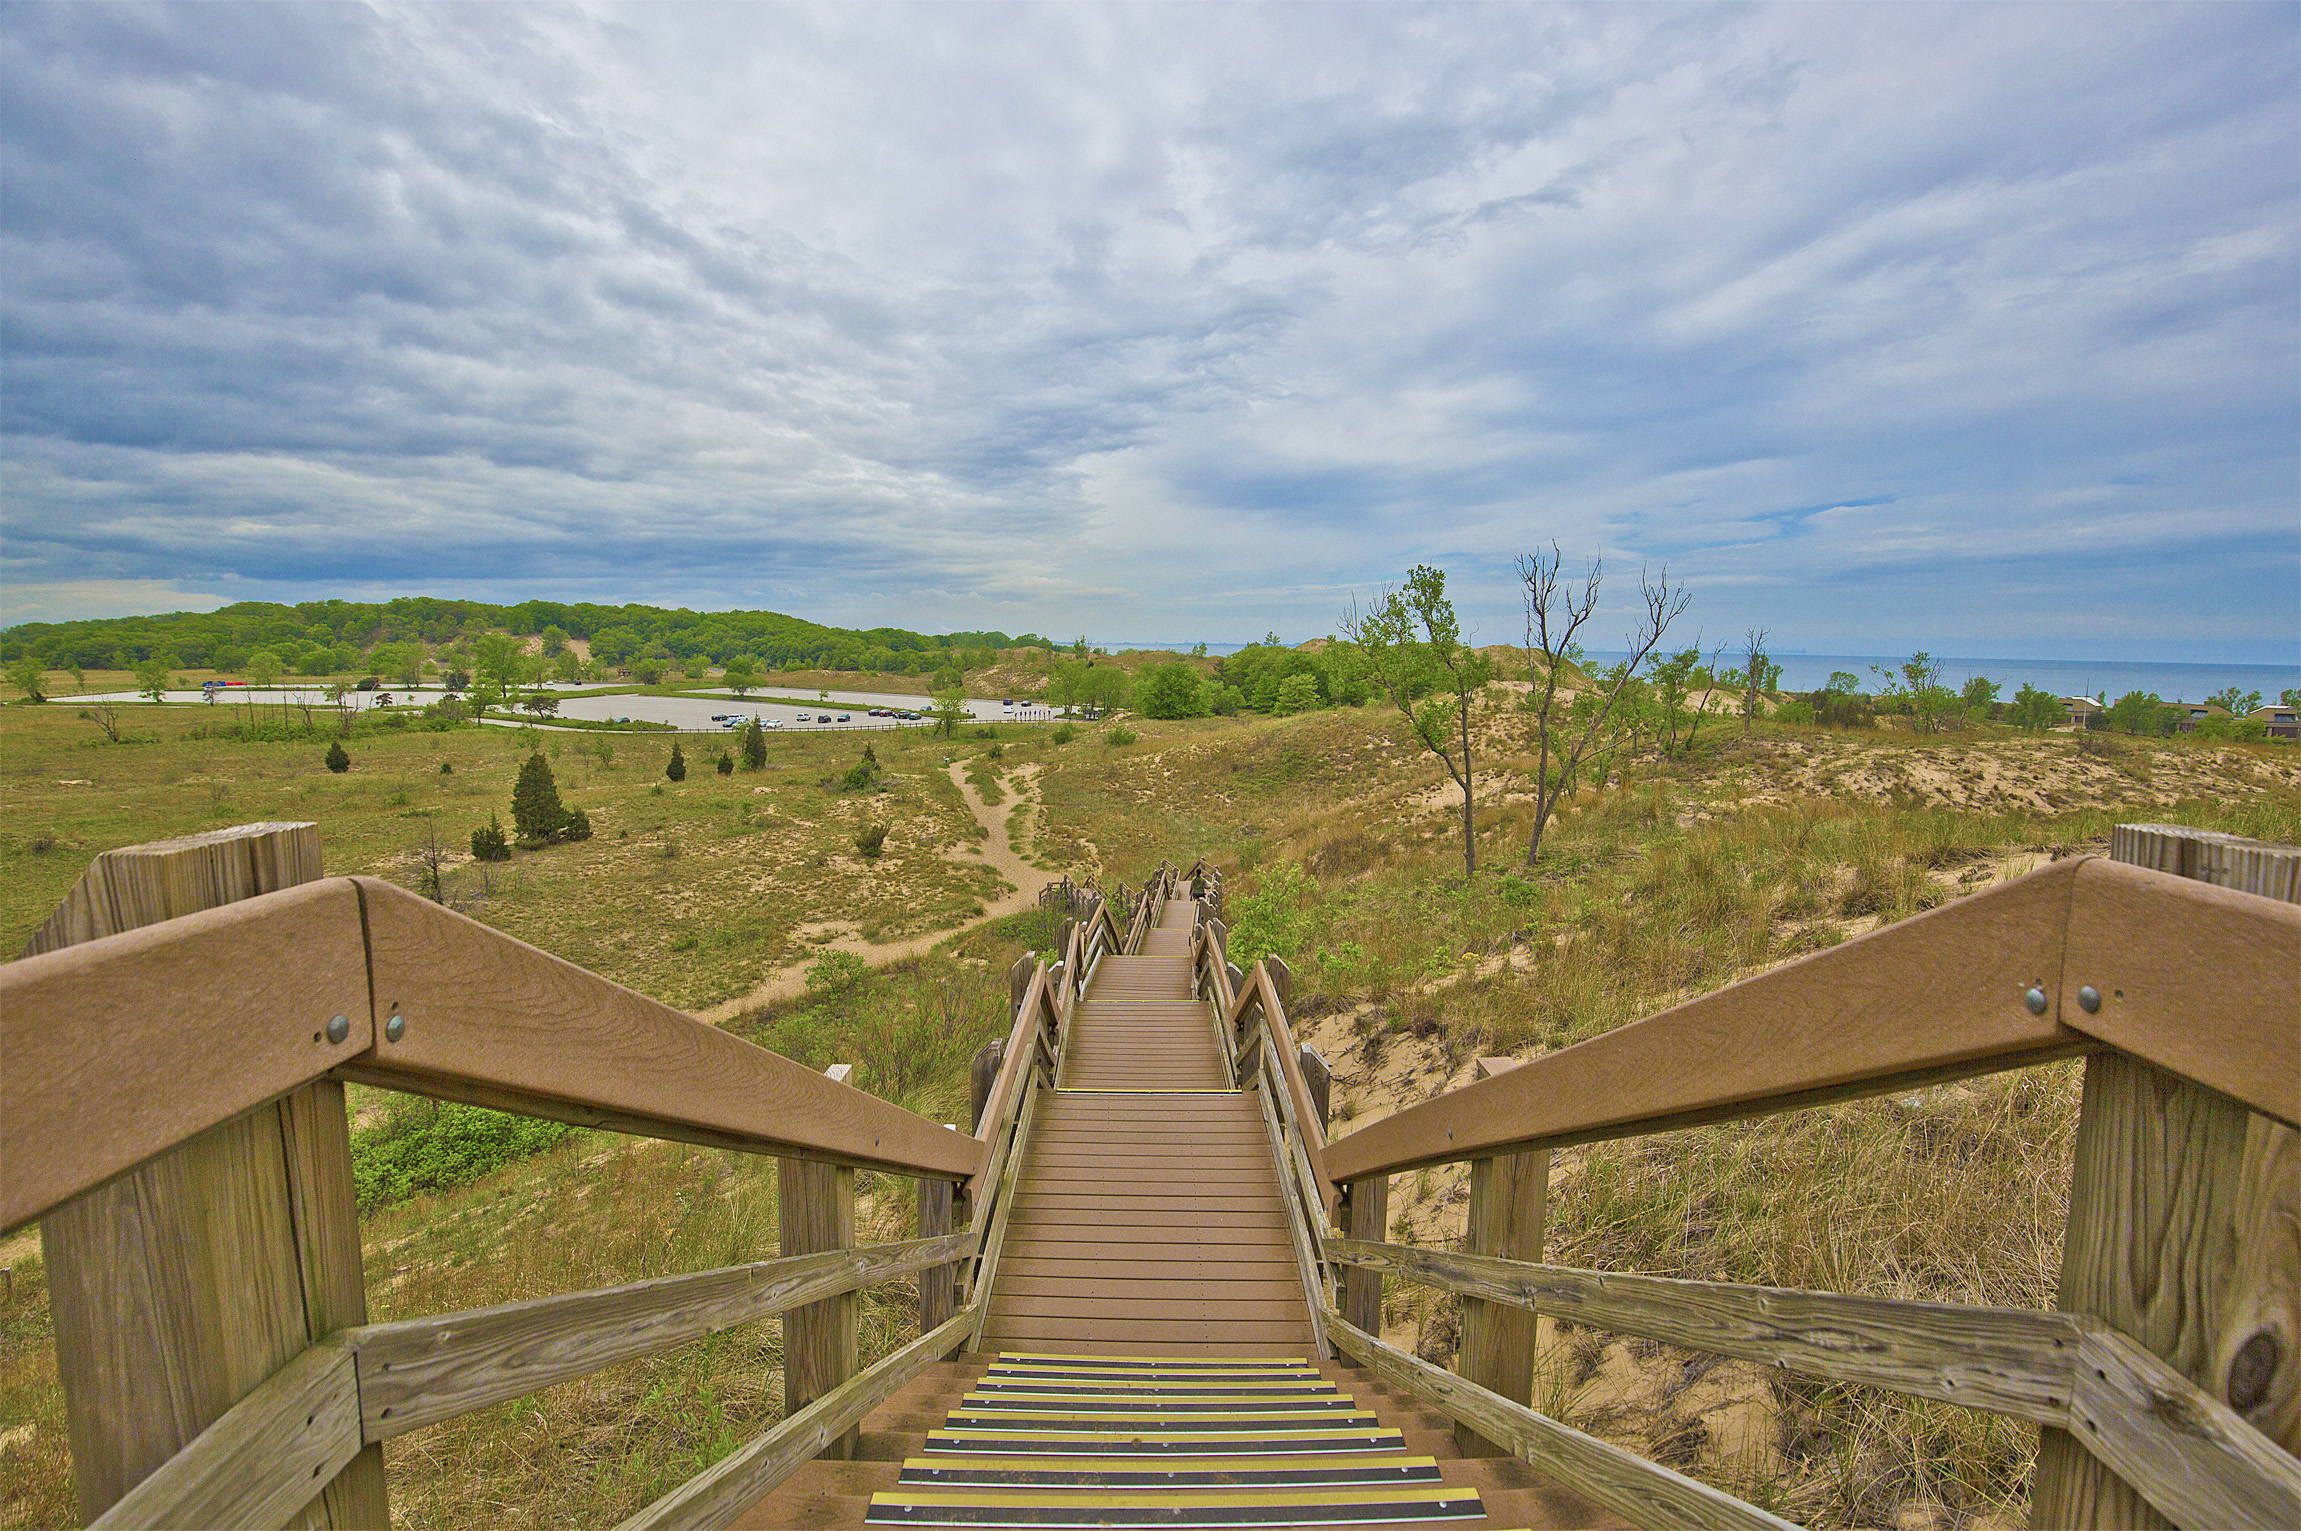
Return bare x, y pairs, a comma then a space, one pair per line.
1158, 1364
1386, 1460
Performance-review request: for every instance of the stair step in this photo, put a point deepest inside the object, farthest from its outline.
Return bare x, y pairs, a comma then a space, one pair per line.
1165, 1444
1208, 1472
1281, 1507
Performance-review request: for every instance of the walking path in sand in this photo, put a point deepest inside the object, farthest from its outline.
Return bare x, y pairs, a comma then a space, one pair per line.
1024, 882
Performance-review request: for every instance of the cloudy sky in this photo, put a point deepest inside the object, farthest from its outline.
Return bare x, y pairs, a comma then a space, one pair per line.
1968, 327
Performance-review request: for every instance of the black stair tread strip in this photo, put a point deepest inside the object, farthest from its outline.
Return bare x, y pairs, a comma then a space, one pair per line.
1068, 1388
1305, 1474
1355, 1438
1119, 1424
1351, 1514
1138, 1405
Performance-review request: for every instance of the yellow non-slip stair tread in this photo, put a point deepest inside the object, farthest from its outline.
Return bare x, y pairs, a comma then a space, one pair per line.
1195, 1499
1007, 1357
1260, 1443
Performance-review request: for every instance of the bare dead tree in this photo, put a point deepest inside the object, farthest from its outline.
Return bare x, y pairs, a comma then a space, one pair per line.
1758, 674
1555, 616
431, 863
106, 717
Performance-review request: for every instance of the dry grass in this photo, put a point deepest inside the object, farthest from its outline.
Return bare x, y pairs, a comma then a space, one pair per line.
1343, 854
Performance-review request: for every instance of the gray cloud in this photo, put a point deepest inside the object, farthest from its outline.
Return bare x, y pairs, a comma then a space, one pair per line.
1881, 324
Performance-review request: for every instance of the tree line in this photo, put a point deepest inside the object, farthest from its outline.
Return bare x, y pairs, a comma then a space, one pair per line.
343, 637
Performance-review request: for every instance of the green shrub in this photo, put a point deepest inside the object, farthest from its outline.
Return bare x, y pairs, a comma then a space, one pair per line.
1064, 733
488, 843
835, 973
338, 761
870, 840
1121, 735
677, 768
419, 1150
726, 764
577, 827
1271, 918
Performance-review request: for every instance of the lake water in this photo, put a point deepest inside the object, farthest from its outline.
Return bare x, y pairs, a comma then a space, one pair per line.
2062, 677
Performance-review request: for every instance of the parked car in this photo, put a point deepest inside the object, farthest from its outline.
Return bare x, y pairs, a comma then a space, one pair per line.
771, 723
845, 719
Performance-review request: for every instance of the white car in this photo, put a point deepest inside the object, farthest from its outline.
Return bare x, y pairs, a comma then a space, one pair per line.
771, 723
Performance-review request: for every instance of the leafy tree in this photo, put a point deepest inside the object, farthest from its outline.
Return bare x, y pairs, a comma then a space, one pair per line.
754, 745
263, 667
949, 711
541, 703
1979, 696
457, 678
536, 810
488, 843
2142, 712
676, 768
495, 658
2290, 696
1674, 680
742, 674
2035, 709
1760, 675
554, 640
338, 761
1170, 691
28, 675
2237, 703
1555, 617
1297, 693
1413, 645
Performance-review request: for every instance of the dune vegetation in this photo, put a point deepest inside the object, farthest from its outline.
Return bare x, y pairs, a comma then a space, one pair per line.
1661, 878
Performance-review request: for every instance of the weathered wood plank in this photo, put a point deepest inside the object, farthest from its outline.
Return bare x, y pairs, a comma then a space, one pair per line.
938, 1284
123, 1047
2195, 979
816, 1206
1934, 997
1509, 1200
417, 1372
995, 1236
1362, 1284
480, 1008
2184, 1228
2189, 1454
2008, 1360
1313, 1295
1638, 1490
716, 1497
260, 1462
184, 1285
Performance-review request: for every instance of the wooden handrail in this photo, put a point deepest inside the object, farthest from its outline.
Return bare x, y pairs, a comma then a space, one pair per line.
419, 1371
2188, 1453
1641, 1492
124, 1046
720, 1494
255, 1465
2015, 1361
2194, 978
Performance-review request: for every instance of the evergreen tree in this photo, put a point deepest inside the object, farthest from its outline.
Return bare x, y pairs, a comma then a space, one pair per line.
677, 769
536, 810
754, 746
726, 764
487, 842
338, 761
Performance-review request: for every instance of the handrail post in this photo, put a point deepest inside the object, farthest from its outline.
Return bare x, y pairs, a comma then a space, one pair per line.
182, 1285
1362, 1289
2173, 1216
938, 1284
1509, 1196
816, 1206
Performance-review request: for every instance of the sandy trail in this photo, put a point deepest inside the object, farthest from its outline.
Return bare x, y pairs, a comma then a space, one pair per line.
1023, 882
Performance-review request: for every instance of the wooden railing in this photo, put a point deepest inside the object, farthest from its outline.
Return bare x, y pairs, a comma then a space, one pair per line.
2168, 1391
172, 1110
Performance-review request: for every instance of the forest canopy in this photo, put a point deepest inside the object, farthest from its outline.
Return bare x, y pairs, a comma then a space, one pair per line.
332, 637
